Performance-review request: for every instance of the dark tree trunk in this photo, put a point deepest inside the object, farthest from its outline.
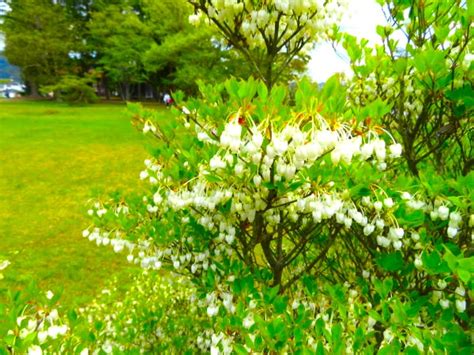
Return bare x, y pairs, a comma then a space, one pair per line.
139, 91
125, 91
34, 92
105, 85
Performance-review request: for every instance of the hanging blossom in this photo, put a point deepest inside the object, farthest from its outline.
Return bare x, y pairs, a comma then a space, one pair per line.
298, 20
245, 166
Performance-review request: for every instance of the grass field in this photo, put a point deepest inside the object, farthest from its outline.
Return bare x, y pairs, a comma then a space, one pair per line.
53, 160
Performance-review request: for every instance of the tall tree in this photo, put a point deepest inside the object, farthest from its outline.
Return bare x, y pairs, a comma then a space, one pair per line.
118, 40
38, 39
153, 42
182, 55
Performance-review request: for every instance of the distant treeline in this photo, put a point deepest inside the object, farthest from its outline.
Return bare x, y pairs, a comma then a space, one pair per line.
128, 48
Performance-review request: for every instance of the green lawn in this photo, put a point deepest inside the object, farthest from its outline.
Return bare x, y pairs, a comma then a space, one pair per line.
53, 160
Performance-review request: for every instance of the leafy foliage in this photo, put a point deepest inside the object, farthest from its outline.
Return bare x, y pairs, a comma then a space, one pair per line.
73, 90
291, 229
421, 82
38, 40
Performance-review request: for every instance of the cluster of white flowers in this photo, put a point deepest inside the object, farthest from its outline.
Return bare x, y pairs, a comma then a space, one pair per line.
97, 210
299, 20
244, 158
45, 324
151, 299
446, 298
215, 343
152, 172
442, 212
364, 90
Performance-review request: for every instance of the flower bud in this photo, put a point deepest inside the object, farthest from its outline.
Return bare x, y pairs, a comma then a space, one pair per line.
443, 212
418, 262
461, 305
444, 303
452, 232
388, 202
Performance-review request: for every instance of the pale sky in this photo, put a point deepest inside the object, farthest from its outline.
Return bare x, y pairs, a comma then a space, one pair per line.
360, 19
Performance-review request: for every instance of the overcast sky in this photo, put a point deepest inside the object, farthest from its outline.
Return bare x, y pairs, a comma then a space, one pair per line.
360, 19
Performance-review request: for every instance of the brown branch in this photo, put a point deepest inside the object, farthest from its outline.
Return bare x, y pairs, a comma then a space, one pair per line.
315, 261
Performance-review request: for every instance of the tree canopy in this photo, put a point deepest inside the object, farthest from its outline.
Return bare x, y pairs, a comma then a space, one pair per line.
152, 46
38, 39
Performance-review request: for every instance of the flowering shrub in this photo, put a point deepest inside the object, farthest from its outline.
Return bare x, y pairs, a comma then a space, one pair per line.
293, 229
421, 82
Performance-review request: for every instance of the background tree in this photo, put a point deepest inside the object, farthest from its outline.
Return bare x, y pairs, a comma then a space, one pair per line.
38, 39
118, 39
153, 43
181, 55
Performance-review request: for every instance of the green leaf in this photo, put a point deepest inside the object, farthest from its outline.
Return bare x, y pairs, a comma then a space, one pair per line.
98, 325
278, 95
380, 30
9, 339
270, 294
280, 304
211, 278
213, 178
376, 109
433, 262
294, 185
464, 94
466, 264
391, 262
410, 218
336, 333
240, 349
298, 336
360, 190
72, 315
262, 91
430, 61
243, 91
389, 349
450, 259
232, 87
310, 284
320, 348
464, 275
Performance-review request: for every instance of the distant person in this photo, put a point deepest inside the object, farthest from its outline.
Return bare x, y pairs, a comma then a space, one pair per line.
7, 93
167, 99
